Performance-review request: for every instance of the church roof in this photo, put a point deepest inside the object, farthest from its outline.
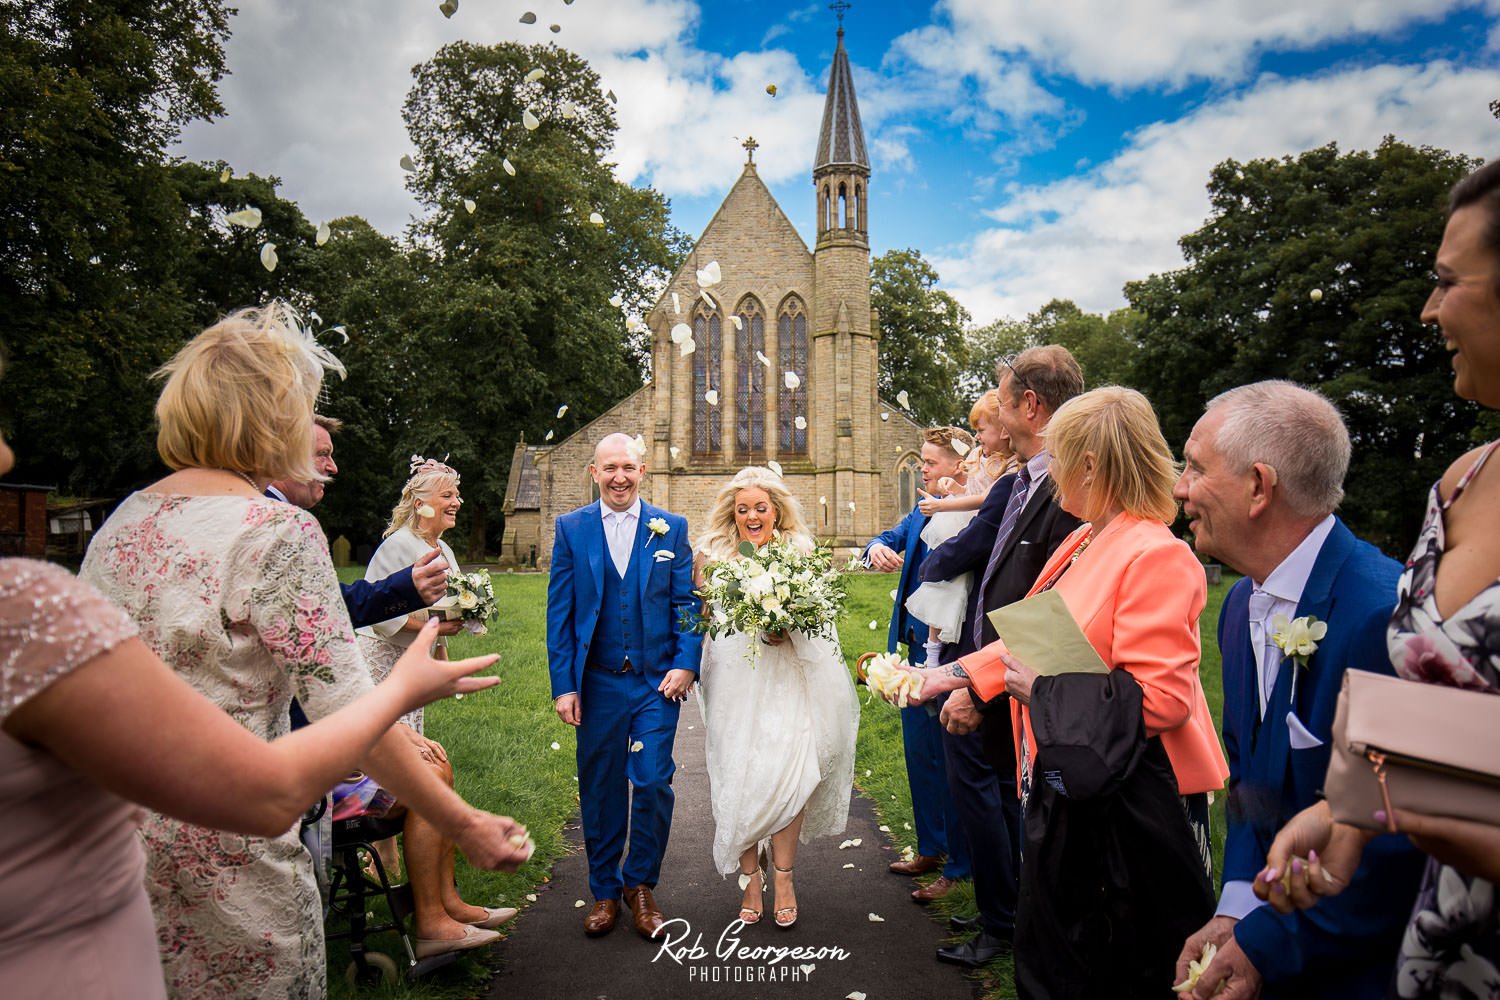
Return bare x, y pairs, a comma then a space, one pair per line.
841, 140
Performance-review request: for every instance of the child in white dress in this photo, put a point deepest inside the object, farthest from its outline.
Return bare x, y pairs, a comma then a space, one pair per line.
942, 603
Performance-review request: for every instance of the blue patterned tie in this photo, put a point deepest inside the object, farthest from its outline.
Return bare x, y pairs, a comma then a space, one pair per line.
1007, 526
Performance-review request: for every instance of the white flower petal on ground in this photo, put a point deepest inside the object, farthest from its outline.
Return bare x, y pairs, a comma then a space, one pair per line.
760, 356
710, 275
507, 166
531, 897
408, 164
596, 218
246, 217
535, 75
856, 995
960, 447
893, 595
579, 904
849, 865
448, 7
774, 466
876, 918
800, 423
711, 397
903, 399
529, 120
268, 257
556, 745
323, 233
884, 828
561, 410
528, 18
681, 332
792, 380
469, 205
873, 625
617, 300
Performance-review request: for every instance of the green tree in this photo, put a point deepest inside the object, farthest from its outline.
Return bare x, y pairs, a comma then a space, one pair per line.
520, 320
1314, 268
923, 348
1104, 345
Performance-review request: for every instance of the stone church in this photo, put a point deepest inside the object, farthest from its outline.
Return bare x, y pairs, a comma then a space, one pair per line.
782, 368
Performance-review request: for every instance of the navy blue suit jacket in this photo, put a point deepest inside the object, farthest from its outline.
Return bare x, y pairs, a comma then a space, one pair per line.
371, 602
906, 538
1344, 946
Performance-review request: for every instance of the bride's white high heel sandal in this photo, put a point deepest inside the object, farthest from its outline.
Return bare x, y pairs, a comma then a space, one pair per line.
747, 915
785, 916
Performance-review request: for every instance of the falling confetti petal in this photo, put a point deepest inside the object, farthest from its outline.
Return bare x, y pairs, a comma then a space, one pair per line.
554, 28
676, 305
849, 865
703, 294
710, 276
408, 164
873, 626
884, 828
876, 918
568, 109
556, 745
771, 89
675, 452
448, 7
687, 347
633, 323
579, 904
1316, 295
711, 397
596, 218
885, 416
960, 447
822, 501
638, 445
774, 466
470, 205
548, 437
561, 410
682, 333
617, 301
851, 504
529, 120
247, 217
893, 595
903, 399
868, 772
535, 75
744, 881
792, 380
528, 18
224, 175
762, 359
323, 233
612, 98
800, 423
508, 166
268, 256
637, 746
739, 324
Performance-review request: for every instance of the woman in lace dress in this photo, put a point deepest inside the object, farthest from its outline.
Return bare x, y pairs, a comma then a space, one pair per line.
92, 721
781, 727
237, 593
1445, 630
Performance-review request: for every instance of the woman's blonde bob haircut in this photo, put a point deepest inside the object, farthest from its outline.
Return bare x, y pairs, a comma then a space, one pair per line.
240, 396
1132, 466
722, 538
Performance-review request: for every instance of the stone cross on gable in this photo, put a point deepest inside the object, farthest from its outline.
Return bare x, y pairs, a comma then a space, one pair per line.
838, 7
750, 147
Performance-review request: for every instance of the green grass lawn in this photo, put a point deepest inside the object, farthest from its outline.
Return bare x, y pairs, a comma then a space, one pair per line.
500, 744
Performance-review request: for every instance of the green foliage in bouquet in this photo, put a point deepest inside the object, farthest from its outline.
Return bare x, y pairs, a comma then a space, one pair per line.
774, 588
470, 598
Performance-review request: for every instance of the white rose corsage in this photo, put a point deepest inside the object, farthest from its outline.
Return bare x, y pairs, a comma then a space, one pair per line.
1298, 639
657, 526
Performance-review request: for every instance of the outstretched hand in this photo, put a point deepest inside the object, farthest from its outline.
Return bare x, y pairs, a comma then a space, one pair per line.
426, 679
496, 843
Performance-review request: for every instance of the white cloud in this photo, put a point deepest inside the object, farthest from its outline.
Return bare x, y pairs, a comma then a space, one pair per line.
1083, 237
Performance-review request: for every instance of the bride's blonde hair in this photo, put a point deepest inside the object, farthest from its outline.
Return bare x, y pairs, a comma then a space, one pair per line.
722, 538
428, 477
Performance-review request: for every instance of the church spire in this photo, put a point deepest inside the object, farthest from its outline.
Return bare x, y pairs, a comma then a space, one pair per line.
841, 140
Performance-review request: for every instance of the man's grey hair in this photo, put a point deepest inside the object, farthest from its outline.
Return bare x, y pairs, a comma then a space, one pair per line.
1295, 430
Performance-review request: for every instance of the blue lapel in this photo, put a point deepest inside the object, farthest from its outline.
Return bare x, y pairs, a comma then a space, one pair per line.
593, 533
1317, 600
643, 538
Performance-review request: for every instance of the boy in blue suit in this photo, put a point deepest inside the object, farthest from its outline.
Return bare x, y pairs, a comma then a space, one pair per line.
622, 660
1264, 472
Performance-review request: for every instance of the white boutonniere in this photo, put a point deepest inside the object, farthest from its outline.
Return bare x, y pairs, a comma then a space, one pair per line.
657, 526
1298, 639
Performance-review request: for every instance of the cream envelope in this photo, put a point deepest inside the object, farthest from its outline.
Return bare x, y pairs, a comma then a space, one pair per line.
1041, 633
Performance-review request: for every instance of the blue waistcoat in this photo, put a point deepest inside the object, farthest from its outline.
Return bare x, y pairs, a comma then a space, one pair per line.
618, 633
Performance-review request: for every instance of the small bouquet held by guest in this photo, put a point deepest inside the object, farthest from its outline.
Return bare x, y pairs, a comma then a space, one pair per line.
775, 589
470, 599
889, 676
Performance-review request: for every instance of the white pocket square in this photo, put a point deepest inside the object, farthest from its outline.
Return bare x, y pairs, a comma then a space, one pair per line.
664, 556
1298, 735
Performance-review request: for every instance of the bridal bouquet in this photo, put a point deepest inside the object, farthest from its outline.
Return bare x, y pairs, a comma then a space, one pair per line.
470, 598
774, 588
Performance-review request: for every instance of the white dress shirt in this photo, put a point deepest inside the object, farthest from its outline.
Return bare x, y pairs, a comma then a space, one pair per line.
619, 532
1278, 595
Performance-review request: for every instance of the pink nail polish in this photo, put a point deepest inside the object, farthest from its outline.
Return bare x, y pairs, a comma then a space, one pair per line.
1312, 856
1272, 874
1296, 866
1380, 816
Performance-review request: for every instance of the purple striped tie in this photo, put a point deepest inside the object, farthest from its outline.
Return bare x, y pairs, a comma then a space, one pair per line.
1007, 526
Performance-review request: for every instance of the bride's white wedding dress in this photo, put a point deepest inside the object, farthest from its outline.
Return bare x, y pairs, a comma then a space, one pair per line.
780, 737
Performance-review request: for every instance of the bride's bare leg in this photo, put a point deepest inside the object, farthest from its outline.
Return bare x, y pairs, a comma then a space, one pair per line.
750, 902
783, 859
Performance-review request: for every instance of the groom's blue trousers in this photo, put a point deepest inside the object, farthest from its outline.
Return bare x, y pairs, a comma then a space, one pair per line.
620, 790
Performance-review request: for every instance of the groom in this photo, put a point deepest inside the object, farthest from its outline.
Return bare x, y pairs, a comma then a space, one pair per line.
621, 663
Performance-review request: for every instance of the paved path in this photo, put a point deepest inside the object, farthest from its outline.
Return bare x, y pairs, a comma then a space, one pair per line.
547, 956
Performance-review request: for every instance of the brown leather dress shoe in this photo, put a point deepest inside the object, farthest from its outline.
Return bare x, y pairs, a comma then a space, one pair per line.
601, 918
643, 907
936, 889
919, 865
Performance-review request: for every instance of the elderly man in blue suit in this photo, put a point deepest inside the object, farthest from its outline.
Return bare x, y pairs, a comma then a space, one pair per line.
623, 655
1264, 472
901, 548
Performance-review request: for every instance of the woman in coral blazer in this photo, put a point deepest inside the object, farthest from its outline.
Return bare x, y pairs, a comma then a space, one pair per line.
1109, 869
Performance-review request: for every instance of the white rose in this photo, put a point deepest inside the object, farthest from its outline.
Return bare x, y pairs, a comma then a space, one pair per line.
468, 601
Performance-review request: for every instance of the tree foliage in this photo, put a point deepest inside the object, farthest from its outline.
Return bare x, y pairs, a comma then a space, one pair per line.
923, 344
1361, 229
1105, 346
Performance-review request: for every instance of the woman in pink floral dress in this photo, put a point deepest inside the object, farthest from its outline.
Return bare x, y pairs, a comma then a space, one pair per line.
238, 594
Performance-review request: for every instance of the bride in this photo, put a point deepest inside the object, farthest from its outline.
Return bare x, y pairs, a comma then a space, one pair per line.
780, 726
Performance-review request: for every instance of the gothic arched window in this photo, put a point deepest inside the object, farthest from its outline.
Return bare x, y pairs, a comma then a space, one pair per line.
791, 330
708, 369
750, 379
908, 477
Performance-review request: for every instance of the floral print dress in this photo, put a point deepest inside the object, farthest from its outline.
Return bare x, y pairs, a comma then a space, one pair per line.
1452, 944
240, 597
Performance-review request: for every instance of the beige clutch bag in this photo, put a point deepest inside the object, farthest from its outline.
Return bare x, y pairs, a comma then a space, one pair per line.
1424, 747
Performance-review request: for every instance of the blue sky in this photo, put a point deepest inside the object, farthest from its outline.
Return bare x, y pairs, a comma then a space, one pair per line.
1031, 148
